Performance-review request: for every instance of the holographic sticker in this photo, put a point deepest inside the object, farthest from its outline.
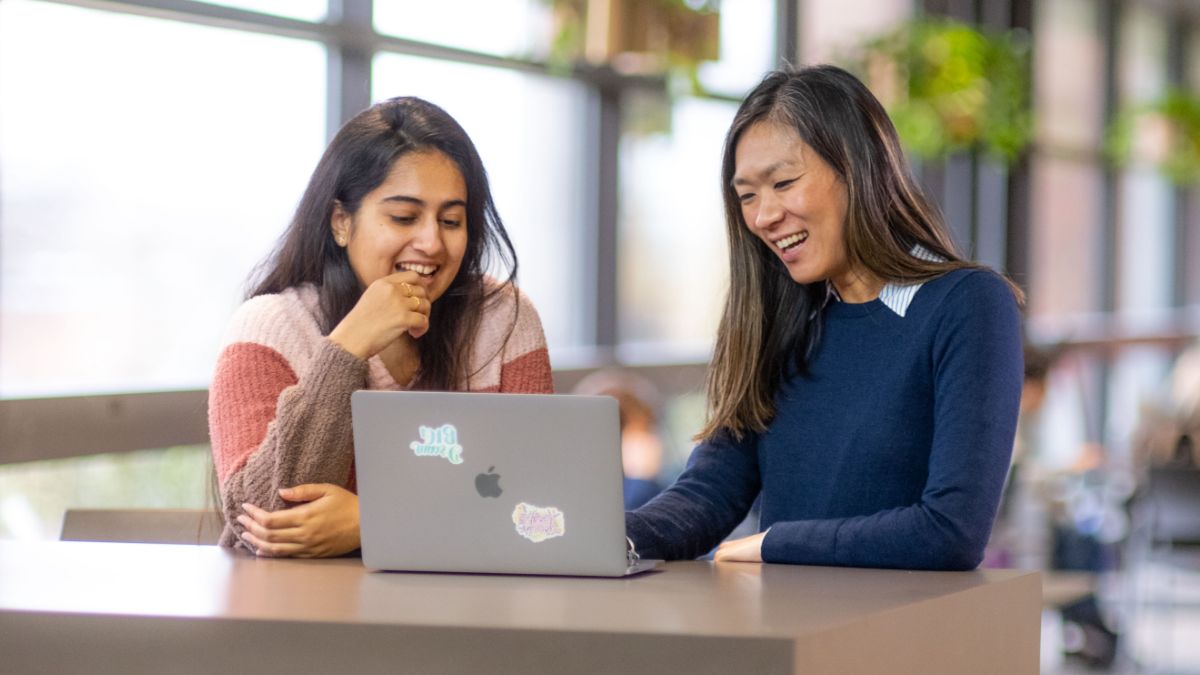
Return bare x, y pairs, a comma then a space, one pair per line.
438, 442
537, 523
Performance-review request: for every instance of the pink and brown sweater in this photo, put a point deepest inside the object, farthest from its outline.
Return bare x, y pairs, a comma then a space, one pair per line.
279, 404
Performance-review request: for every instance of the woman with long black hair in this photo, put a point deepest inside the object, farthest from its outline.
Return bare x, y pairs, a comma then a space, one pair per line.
380, 282
866, 377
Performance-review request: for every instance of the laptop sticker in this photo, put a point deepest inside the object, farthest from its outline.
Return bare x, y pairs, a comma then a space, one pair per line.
537, 523
438, 442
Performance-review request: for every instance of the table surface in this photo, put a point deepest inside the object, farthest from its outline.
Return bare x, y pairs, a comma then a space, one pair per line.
694, 598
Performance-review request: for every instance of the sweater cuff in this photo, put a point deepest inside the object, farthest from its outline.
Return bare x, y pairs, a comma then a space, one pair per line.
801, 542
639, 535
335, 369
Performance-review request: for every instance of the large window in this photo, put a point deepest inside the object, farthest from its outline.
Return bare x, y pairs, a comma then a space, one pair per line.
1066, 239
145, 167
673, 254
747, 48
672, 257
1067, 220
829, 28
1102, 240
521, 28
1144, 266
151, 155
531, 133
305, 10
34, 495
1068, 85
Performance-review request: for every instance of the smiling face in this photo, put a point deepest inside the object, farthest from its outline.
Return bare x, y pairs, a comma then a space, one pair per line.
415, 220
796, 204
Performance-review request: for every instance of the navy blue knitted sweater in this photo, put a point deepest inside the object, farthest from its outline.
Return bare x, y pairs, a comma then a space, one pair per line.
891, 452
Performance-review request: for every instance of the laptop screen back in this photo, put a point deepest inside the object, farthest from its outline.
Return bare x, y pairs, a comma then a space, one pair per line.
509, 483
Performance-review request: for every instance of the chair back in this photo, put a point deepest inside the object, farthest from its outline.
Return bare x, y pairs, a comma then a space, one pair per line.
143, 526
1173, 497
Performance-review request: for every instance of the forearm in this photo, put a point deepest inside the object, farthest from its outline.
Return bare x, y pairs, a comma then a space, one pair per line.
912, 537
680, 524
310, 439
692, 516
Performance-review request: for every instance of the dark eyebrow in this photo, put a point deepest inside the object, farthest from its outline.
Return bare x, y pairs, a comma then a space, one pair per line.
765, 172
405, 199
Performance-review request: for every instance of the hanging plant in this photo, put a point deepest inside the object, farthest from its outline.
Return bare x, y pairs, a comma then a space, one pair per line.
645, 37
949, 87
1164, 133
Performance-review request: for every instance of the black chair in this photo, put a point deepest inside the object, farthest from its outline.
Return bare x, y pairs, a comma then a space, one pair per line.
1166, 537
1172, 498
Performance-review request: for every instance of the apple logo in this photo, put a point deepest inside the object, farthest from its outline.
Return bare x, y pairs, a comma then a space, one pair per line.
488, 484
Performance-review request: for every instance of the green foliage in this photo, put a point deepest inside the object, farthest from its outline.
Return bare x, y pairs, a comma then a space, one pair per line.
566, 45
1167, 133
949, 87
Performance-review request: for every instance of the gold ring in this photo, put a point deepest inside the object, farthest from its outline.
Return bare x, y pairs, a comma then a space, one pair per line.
407, 288
417, 304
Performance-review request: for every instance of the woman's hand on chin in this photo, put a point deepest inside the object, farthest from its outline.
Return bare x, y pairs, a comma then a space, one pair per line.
324, 524
392, 306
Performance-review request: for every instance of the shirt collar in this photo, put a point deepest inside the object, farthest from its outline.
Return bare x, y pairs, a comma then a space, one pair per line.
895, 296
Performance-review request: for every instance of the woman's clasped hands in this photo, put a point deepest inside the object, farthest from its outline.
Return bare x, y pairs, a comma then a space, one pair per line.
324, 523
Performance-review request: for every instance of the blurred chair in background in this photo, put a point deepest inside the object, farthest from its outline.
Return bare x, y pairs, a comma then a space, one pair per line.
1038, 526
1166, 508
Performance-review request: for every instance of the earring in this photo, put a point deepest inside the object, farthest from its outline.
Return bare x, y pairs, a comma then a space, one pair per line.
341, 241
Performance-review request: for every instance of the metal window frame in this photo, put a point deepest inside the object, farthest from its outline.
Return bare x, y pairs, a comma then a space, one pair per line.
33, 429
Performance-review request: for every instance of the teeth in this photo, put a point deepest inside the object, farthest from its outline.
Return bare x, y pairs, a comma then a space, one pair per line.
792, 240
419, 269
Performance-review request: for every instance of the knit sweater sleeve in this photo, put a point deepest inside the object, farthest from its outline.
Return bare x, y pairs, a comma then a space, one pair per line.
526, 360
279, 408
976, 355
710, 498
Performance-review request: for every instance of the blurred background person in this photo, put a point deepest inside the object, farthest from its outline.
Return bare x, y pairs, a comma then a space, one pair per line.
639, 404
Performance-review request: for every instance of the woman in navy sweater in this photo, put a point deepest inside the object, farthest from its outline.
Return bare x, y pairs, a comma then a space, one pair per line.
866, 377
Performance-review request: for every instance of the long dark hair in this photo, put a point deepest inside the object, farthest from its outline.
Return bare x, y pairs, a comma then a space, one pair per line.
356, 162
771, 324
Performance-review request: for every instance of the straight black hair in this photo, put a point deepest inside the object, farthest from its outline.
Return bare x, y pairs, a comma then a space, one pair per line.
771, 324
356, 162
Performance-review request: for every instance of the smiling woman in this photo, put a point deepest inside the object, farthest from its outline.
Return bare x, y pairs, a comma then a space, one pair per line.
865, 377
378, 283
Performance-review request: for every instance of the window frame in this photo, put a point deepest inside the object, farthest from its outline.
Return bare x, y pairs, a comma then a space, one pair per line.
31, 429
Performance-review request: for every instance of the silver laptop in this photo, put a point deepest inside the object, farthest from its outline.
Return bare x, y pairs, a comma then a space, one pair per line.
496, 483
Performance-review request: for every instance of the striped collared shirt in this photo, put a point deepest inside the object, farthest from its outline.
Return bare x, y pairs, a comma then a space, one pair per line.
895, 295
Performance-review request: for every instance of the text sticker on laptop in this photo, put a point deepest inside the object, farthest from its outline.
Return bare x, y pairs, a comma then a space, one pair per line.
438, 442
537, 523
